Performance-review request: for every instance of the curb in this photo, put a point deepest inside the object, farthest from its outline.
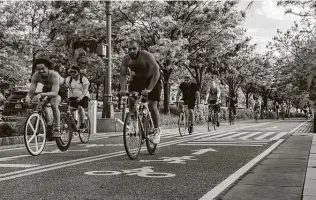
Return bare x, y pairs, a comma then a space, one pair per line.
11, 140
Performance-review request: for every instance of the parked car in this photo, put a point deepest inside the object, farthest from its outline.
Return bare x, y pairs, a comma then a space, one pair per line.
13, 105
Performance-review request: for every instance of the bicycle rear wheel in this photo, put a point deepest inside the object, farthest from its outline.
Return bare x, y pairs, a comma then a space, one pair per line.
64, 141
182, 124
209, 120
151, 147
132, 136
35, 134
84, 134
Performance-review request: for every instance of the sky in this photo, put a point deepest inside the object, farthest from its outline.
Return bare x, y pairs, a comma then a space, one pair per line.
263, 19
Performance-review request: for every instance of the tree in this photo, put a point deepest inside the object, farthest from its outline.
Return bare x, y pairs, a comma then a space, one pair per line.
188, 31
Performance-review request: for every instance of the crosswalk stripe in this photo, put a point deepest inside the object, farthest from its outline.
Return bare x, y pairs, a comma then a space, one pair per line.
220, 135
250, 135
232, 136
243, 145
263, 136
234, 141
278, 136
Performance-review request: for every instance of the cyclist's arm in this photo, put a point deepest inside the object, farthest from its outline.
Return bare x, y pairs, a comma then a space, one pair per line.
85, 86
55, 86
218, 94
123, 73
32, 86
154, 67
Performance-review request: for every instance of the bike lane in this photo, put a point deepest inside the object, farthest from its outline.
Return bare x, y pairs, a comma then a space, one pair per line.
177, 171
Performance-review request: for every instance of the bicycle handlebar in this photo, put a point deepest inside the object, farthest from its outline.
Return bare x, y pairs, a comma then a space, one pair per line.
136, 95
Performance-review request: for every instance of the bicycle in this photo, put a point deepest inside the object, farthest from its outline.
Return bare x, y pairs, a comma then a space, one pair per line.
39, 124
183, 123
84, 133
212, 116
138, 127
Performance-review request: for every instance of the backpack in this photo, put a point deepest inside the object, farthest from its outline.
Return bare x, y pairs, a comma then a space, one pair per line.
80, 80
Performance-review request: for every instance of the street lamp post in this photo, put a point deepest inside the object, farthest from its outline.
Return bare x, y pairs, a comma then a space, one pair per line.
107, 103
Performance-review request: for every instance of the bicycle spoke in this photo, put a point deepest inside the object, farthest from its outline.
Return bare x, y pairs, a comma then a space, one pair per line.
37, 123
31, 126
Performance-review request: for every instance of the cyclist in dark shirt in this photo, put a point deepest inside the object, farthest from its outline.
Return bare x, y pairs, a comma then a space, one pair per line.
190, 93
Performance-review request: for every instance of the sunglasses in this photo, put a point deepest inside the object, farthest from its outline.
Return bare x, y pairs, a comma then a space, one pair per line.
73, 72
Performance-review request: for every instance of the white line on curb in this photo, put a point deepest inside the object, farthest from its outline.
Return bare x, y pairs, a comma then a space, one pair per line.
228, 182
235, 176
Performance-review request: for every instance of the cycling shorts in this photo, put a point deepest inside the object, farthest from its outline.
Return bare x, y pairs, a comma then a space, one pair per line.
139, 84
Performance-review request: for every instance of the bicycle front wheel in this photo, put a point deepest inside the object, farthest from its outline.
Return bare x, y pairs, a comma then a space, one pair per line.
214, 122
35, 134
64, 141
182, 124
151, 147
84, 134
132, 136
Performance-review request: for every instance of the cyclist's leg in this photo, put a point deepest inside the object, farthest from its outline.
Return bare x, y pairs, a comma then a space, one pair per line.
73, 106
191, 106
135, 86
55, 101
83, 104
153, 101
217, 109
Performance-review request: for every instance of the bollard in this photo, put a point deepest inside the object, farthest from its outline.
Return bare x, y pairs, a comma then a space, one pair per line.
92, 113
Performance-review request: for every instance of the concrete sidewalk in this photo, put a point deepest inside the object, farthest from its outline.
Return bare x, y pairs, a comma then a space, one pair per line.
288, 173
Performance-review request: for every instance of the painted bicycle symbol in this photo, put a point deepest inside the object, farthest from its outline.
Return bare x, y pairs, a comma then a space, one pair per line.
146, 171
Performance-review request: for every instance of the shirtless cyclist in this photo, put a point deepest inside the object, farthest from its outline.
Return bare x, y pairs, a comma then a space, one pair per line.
146, 80
51, 89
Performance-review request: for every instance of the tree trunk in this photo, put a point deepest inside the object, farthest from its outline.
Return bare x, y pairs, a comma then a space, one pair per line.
247, 99
166, 93
166, 89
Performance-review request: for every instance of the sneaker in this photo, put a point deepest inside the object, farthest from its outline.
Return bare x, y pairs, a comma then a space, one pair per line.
156, 138
217, 124
56, 133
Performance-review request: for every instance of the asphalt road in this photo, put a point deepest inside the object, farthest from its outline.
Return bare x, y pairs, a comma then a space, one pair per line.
182, 167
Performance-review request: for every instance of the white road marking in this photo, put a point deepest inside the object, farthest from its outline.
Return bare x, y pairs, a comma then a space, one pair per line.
228, 182
216, 144
49, 167
263, 136
250, 135
235, 176
202, 151
232, 136
17, 165
279, 136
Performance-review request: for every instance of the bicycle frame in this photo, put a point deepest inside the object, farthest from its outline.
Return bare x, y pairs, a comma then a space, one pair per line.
142, 110
185, 111
70, 111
